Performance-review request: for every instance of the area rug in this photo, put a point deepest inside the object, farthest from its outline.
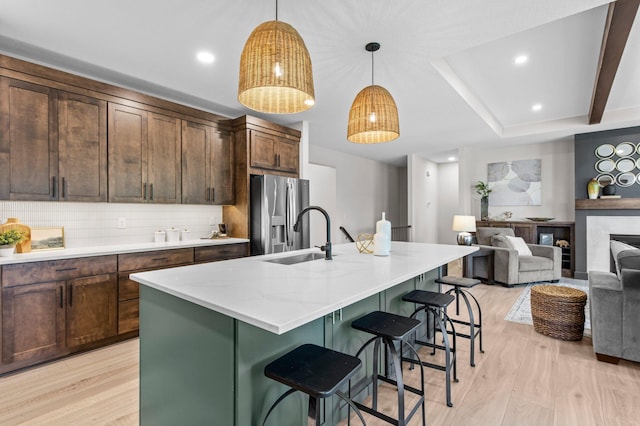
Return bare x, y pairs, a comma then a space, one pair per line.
521, 310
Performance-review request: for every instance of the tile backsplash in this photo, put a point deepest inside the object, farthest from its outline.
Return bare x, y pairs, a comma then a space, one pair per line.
96, 224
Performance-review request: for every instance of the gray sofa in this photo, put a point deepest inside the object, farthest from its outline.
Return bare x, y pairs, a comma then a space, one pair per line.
614, 303
509, 268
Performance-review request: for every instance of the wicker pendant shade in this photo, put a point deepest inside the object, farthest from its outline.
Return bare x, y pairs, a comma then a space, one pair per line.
275, 71
373, 117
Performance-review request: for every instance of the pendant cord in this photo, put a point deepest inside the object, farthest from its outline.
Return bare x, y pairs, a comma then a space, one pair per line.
276, 10
372, 68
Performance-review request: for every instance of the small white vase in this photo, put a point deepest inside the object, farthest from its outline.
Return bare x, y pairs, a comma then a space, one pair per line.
6, 251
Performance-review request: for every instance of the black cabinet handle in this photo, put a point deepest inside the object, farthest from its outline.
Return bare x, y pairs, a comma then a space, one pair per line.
158, 259
54, 183
151, 193
62, 187
65, 269
144, 195
61, 290
70, 295
213, 194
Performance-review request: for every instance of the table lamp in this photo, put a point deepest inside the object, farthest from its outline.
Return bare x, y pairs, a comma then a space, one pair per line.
464, 225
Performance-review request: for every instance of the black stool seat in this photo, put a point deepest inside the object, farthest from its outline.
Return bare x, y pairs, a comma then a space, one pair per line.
316, 371
428, 298
458, 281
313, 370
385, 324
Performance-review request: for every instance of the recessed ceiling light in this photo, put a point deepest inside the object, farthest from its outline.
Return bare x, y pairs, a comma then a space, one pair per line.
536, 107
205, 57
451, 158
520, 59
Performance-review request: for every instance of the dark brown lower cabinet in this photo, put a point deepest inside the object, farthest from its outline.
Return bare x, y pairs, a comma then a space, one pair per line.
33, 322
53, 308
92, 309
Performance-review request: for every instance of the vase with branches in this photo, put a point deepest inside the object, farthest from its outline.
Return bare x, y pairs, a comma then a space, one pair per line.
483, 189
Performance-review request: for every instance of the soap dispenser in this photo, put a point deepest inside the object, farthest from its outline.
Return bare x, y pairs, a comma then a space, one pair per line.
382, 237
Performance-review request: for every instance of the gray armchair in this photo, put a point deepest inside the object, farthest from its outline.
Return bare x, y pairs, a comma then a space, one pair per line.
614, 303
509, 268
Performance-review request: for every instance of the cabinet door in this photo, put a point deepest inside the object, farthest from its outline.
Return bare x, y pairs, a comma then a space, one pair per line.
33, 324
221, 168
196, 163
82, 142
127, 154
526, 231
165, 159
287, 156
28, 141
262, 150
92, 309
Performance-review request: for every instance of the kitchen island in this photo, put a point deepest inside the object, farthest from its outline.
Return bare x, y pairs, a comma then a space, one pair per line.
207, 331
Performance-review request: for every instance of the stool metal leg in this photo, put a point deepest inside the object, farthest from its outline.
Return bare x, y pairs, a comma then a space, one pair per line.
313, 414
473, 327
278, 401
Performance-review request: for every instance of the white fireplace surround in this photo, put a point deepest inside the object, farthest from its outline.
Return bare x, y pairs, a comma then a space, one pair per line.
599, 231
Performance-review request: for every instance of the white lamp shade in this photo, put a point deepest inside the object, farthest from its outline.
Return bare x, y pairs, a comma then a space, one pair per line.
464, 223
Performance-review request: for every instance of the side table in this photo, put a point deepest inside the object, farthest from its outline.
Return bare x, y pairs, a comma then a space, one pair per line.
467, 264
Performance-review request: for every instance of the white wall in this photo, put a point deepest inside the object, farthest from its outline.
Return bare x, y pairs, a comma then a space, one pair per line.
365, 188
448, 201
95, 224
423, 199
558, 189
322, 192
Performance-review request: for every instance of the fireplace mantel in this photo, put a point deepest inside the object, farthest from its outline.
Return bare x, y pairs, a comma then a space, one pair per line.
609, 204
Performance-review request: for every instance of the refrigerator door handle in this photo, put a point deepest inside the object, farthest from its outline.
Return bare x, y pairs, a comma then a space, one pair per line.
287, 218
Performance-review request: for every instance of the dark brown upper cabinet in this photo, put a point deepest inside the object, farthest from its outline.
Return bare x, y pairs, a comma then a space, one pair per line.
207, 164
53, 144
144, 156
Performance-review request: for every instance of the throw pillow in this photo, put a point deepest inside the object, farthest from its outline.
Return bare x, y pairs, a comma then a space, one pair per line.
616, 248
500, 240
519, 244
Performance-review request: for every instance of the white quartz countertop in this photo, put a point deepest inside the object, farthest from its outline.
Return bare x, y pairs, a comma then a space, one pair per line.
279, 298
38, 256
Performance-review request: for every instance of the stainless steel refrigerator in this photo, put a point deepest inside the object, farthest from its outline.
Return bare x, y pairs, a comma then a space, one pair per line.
275, 204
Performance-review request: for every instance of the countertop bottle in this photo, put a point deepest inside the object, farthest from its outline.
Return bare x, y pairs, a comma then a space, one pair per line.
382, 238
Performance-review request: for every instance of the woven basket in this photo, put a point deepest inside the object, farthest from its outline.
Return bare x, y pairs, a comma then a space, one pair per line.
558, 311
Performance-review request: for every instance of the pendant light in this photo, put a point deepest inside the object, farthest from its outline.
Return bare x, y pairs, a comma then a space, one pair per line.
373, 117
275, 70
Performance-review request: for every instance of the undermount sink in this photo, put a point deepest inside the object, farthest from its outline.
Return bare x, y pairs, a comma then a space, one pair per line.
298, 258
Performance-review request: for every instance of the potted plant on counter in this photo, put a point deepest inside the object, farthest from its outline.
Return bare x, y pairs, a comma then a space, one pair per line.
8, 241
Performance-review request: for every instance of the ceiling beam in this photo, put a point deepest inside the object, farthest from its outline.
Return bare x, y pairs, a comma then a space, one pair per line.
616, 32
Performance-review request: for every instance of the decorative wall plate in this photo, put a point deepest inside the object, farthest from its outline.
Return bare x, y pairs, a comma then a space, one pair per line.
605, 179
606, 165
624, 149
625, 165
605, 150
625, 179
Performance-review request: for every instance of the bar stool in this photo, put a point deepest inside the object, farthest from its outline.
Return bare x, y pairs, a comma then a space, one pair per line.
435, 304
319, 372
459, 285
390, 328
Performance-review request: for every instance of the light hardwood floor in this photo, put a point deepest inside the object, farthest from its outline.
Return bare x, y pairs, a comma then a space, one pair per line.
523, 378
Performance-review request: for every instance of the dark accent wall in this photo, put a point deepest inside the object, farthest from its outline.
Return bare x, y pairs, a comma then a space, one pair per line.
585, 160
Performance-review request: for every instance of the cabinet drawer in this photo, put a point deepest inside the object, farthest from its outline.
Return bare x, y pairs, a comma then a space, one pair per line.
221, 252
155, 259
127, 288
128, 316
57, 270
